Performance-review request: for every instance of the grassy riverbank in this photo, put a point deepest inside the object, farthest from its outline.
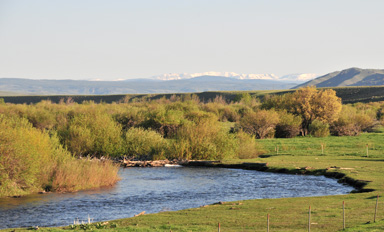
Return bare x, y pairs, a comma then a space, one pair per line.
347, 155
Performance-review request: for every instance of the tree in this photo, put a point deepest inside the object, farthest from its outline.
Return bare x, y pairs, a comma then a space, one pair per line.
312, 104
260, 123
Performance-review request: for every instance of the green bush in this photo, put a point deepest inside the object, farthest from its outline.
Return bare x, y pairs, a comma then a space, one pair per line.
319, 129
25, 151
129, 117
28, 157
93, 133
32, 160
247, 148
164, 121
144, 144
228, 113
205, 140
261, 123
352, 121
289, 125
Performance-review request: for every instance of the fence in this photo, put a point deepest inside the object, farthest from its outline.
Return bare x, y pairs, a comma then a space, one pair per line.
343, 214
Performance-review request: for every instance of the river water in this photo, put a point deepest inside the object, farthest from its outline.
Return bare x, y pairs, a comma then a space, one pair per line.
160, 189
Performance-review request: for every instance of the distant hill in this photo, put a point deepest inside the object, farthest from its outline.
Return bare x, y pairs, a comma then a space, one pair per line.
347, 94
349, 77
138, 86
7, 93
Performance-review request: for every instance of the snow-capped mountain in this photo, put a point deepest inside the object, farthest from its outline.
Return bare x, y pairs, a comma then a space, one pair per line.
180, 76
301, 77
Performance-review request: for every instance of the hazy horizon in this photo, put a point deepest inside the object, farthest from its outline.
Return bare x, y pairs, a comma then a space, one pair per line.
110, 40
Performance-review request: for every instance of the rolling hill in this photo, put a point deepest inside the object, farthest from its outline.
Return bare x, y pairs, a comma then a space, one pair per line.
348, 77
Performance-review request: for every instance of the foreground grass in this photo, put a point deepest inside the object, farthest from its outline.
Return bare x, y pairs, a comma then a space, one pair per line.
346, 155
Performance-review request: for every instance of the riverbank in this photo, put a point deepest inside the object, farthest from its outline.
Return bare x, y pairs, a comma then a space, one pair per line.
340, 156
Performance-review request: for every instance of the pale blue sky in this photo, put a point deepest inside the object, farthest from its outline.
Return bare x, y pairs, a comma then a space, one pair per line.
79, 39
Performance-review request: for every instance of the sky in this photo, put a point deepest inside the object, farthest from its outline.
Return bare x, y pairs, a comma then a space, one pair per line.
121, 39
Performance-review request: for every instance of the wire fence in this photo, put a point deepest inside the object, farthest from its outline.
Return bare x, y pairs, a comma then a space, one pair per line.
310, 225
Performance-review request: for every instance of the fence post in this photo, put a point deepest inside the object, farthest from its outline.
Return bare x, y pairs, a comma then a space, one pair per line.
267, 222
343, 215
367, 150
377, 204
309, 219
322, 149
219, 227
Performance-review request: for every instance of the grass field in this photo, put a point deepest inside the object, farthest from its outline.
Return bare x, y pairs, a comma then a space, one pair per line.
347, 155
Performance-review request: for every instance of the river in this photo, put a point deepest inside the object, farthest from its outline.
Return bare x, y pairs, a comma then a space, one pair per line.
160, 189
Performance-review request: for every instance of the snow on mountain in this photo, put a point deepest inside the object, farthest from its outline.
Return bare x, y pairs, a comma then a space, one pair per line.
180, 76
301, 77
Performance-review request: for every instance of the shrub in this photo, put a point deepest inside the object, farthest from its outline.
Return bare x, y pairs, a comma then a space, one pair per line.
32, 160
201, 117
247, 148
144, 144
261, 123
93, 133
132, 116
345, 127
78, 174
228, 113
365, 122
203, 140
288, 126
26, 153
165, 121
319, 129
212, 107
352, 122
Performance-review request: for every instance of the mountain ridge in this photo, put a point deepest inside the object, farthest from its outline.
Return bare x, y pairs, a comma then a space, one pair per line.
348, 77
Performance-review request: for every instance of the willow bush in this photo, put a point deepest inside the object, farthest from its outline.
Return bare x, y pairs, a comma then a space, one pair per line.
27, 157
247, 147
145, 144
93, 133
32, 160
319, 129
288, 126
202, 140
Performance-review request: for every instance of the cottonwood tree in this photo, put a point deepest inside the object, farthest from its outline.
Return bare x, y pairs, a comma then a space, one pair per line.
312, 104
